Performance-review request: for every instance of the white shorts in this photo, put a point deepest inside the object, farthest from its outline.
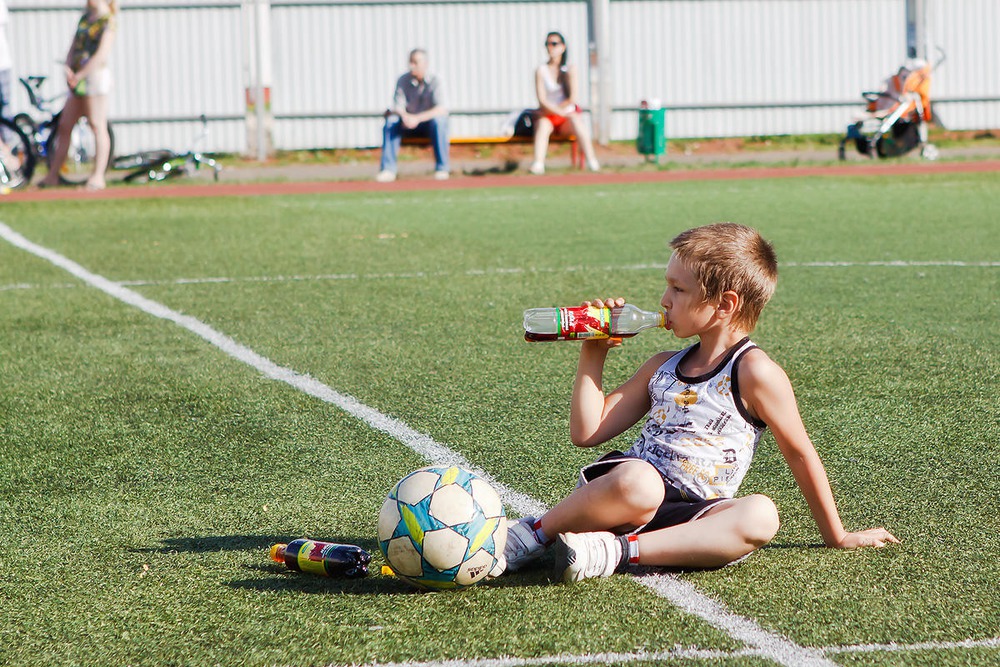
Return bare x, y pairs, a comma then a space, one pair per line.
98, 83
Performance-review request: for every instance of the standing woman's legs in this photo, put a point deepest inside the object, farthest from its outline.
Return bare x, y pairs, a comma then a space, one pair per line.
71, 113
96, 111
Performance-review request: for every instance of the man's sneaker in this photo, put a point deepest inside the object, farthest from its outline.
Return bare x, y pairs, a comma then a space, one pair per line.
385, 176
537, 168
582, 556
441, 175
522, 544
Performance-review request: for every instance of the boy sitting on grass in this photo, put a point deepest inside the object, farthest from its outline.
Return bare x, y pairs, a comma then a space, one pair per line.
670, 499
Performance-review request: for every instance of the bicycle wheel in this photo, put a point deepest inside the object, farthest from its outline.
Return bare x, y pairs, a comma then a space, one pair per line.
80, 160
159, 171
27, 125
142, 159
17, 160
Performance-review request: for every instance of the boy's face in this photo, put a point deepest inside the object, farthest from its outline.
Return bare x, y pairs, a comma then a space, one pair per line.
688, 314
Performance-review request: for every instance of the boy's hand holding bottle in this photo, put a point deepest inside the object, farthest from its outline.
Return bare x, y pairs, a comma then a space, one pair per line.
592, 320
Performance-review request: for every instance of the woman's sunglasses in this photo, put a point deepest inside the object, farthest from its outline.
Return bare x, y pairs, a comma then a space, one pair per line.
553, 43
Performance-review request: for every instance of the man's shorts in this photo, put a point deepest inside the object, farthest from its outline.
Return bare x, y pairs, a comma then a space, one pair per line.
674, 510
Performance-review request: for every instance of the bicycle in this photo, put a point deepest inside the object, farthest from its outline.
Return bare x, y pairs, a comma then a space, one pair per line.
17, 159
160, 165
40, 127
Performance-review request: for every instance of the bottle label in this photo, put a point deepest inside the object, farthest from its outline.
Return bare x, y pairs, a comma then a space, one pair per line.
312, 556
583, 323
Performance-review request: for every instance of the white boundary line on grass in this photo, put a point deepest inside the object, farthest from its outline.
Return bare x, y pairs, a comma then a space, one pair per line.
771, 645
681, 653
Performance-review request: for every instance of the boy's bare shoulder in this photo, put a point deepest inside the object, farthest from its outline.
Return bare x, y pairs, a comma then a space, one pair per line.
757, 369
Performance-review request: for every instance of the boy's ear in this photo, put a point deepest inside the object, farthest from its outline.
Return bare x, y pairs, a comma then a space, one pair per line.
729, 303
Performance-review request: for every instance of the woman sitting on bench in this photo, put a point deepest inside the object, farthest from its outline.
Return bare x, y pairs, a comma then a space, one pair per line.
556, 85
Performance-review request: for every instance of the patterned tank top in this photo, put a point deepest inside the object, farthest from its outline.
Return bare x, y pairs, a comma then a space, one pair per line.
88, 38
698, 434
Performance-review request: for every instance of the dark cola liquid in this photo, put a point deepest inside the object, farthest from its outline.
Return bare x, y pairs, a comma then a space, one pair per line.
532, 337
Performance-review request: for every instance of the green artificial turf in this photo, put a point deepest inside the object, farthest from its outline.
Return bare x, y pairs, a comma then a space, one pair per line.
144, 473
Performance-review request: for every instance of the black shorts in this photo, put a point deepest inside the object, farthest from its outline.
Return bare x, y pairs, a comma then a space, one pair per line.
674, 510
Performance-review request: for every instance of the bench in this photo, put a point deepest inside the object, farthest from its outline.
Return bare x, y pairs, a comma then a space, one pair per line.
576, 156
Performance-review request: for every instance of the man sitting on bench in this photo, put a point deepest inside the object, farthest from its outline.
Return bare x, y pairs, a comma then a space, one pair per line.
417, 110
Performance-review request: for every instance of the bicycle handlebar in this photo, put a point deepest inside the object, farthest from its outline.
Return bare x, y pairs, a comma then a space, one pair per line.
33, 85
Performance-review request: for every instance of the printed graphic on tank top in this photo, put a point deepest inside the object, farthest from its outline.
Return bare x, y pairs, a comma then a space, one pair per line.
698, 434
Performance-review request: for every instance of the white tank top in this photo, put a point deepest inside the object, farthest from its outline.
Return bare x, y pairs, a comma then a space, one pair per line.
554, 92
698, 434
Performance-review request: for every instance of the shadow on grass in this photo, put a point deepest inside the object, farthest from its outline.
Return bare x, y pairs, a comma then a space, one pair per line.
272, 577
374, 584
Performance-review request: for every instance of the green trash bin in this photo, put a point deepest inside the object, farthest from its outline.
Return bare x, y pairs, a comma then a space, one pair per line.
652, 138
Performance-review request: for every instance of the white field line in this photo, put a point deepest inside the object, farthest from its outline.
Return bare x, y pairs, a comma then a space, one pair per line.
765, 643
993, 642
770, 645
500, 271
675, 654
418, 442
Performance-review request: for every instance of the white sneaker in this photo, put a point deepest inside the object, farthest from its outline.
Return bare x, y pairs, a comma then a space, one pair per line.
582, 556
594, 165
522, 545
537, 168
441, 175
385, 176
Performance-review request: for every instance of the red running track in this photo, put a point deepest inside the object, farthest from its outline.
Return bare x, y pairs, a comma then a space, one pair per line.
494, 181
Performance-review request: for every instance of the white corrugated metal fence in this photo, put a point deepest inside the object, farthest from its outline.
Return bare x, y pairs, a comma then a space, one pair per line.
720, 67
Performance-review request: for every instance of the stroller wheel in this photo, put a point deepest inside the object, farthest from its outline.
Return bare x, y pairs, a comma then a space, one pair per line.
929, 152
903, 138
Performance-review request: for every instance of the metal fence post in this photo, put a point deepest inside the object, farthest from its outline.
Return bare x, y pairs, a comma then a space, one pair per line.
598, 23
916, 29
257, 65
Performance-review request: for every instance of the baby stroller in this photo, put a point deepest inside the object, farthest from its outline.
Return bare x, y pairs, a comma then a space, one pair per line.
896, 119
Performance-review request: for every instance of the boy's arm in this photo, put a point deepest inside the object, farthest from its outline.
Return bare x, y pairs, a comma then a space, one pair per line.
595, 418
768, 392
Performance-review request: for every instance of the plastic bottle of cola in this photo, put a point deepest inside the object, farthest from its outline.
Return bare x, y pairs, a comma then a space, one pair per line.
588, 322
326, 559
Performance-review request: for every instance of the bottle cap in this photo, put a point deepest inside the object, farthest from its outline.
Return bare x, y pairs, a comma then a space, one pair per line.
278, 553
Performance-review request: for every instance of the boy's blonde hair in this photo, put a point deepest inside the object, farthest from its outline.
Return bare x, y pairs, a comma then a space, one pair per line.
726, 256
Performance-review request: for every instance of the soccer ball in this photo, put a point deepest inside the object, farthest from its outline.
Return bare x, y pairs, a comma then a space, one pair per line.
442, 528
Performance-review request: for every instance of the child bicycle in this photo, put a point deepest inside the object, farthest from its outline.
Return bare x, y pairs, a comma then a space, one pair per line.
160, 165
40, 127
